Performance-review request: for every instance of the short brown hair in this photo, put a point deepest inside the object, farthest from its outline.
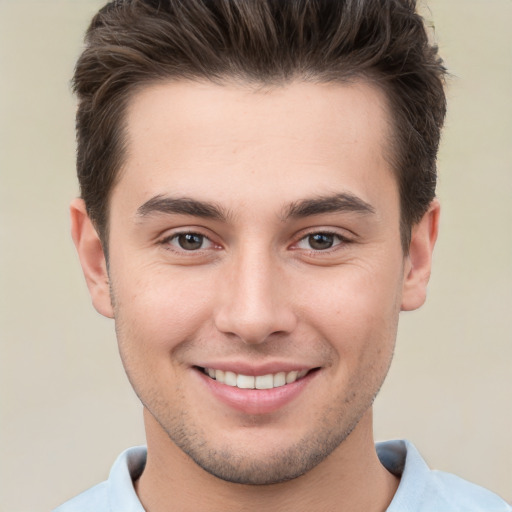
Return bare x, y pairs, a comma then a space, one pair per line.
132, 43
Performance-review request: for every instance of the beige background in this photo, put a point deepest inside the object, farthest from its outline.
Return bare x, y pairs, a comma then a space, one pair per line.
66, 406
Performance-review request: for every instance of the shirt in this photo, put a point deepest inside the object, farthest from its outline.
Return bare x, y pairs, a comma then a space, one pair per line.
421, 489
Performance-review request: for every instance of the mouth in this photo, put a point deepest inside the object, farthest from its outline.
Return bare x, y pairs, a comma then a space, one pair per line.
260, 393
268, 381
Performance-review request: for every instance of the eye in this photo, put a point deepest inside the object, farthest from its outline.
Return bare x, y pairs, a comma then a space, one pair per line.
189, 241
319, 241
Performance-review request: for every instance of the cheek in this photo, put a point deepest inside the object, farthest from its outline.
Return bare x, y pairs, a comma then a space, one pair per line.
356, 310
158, 309
155, 317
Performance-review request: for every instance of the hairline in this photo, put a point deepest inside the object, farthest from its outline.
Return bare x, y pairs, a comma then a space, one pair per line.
391, 150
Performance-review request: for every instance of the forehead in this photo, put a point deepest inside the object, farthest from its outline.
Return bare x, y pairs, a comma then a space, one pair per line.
188, 136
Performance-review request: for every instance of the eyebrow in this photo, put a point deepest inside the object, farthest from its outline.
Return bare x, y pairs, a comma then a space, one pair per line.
337, 203
182, 206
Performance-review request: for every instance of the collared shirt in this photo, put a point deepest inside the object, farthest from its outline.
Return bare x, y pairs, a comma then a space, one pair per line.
421, 489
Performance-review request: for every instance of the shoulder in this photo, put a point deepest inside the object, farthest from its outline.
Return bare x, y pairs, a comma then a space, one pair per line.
463, 495
424, 490
116, 494
95, 499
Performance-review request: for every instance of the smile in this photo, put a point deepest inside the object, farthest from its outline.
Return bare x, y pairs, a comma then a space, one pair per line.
269, 381
256, 394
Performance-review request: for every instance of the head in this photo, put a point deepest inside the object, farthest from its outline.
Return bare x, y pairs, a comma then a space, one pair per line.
262, 174
261, 43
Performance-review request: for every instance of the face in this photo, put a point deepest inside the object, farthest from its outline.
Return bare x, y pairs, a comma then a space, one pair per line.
256, 269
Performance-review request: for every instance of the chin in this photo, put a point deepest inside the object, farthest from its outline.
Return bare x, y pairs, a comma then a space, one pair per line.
267, 461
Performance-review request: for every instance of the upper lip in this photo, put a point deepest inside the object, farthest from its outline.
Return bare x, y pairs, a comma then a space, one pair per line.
249, 369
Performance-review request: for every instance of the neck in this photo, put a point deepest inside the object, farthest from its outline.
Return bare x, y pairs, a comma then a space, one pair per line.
351, 478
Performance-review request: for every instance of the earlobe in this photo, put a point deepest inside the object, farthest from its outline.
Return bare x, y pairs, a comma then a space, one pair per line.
419, 260
92, 258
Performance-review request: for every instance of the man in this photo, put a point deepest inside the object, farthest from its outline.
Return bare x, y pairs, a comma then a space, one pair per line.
257, 206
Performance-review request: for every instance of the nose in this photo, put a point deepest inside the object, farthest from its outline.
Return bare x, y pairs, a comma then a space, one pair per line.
253, 304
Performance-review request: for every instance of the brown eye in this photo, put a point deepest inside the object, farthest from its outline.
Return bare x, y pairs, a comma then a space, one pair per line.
321, 241
190, 241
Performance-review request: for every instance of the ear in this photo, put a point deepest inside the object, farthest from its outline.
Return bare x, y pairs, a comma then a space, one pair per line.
92, 258
418, 263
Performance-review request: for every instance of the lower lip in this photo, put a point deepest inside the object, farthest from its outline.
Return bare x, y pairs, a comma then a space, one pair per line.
256, 401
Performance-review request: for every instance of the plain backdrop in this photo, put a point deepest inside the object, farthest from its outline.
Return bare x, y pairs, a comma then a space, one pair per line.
67, 409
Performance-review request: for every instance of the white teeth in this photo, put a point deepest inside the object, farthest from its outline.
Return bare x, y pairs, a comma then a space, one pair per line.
279, 379
245, 381
291, 377
268, 381
264, 382
230, 379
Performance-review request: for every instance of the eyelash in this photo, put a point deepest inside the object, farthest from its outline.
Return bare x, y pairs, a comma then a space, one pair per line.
167, 241
340, 240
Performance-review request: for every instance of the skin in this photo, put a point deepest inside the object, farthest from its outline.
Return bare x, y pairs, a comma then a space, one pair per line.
262, 171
